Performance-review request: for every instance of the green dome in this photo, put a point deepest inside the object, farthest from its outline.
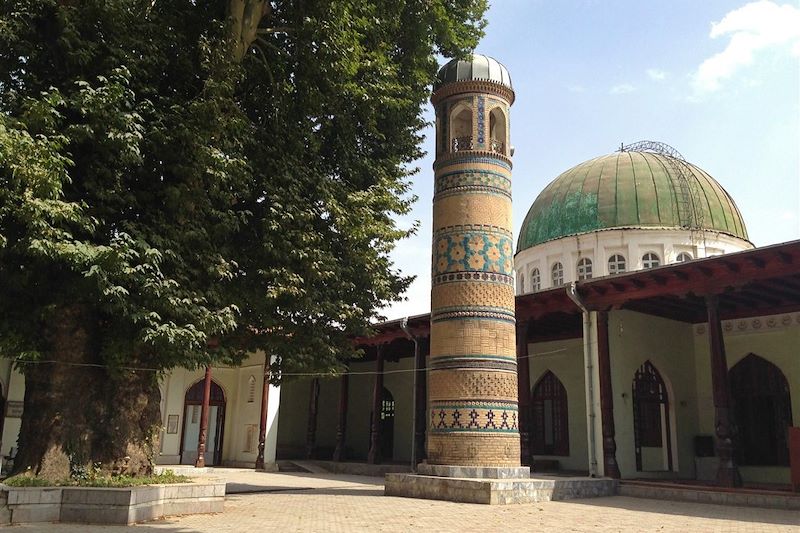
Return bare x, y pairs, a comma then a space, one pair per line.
630, 189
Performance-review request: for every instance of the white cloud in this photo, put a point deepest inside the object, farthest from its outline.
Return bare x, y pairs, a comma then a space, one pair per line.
622, 88
656, 74
753, 27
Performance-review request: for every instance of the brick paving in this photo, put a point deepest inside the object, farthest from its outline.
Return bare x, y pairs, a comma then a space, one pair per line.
333, 503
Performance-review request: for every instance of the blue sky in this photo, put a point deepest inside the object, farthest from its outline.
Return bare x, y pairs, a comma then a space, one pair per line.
717, 80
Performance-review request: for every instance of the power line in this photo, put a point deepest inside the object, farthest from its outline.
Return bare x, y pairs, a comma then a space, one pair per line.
282, 374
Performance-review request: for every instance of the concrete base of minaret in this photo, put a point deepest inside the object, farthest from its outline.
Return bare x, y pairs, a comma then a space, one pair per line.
493, 486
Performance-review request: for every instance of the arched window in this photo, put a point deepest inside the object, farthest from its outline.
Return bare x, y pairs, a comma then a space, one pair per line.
387, 425
461, 128
584, 269
497, 130
616, 264
557, 274
762, 408
522, 283
651, 424
536, 280
251, 389
549, 417
650, 260
683, 257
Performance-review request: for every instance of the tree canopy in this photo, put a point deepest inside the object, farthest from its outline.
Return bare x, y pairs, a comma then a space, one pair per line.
194, 173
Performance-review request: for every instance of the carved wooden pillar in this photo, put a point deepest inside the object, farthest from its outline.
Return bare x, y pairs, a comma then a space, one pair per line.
421, 393
341, 427
311, 434
728, 472
262, 428
201, 441
374, 456
524, 392
610, 466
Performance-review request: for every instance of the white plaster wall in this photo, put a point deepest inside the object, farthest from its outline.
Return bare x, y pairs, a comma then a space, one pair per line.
776, 339
238, 411
631, 243
13, 390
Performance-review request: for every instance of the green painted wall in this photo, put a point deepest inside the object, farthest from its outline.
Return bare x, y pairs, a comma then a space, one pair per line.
565, 359
293, 418
780, 346
633, 339
398, 379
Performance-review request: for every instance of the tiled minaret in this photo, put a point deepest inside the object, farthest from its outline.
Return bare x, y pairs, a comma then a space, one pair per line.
472, 403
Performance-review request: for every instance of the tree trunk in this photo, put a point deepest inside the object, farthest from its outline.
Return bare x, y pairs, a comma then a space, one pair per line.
77, 418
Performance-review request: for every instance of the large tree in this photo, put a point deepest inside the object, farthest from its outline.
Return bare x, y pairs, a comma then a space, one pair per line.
184, 181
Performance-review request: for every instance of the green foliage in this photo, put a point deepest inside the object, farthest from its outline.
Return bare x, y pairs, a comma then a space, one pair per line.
191, 195
94, 478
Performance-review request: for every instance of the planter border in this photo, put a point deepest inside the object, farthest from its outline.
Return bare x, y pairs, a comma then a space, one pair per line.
109, 505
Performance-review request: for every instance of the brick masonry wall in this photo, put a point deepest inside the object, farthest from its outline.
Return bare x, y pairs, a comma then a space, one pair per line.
472, 388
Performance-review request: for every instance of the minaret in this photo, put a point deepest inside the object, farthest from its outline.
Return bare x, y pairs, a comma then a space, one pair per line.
473, 419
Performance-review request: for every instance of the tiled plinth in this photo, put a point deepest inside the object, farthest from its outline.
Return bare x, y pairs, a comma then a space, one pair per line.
496, 491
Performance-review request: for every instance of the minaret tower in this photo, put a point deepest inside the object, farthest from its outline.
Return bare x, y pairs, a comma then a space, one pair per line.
473, 419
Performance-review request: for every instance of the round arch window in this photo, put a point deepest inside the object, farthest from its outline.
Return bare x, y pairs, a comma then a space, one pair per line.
617, 264
536, 280
557, 274
584, 269
650, 260
683, 257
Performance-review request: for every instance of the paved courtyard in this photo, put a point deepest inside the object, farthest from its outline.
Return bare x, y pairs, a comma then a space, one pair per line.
290, 502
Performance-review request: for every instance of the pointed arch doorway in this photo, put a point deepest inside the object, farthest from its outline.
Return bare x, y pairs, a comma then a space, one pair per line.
652, 422
762, 405
192, 407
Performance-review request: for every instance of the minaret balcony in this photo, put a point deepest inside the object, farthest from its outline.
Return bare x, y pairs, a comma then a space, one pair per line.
459, 144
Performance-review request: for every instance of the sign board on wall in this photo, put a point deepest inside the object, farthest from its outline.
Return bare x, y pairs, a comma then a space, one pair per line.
14, 409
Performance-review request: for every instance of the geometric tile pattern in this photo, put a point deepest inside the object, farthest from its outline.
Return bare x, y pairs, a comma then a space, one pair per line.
473, 414
485, 418
478, 385
472, 180
472, 251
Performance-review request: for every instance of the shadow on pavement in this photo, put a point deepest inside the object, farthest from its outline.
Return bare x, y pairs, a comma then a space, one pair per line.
702, 510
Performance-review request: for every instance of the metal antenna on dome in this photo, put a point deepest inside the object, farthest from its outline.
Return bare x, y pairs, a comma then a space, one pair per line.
690, 213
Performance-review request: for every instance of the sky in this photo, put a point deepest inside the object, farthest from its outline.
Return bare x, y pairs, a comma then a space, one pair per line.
717, 80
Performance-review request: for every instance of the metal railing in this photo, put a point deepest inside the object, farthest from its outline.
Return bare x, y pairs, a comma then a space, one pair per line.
497, 146
459, 144
462, 143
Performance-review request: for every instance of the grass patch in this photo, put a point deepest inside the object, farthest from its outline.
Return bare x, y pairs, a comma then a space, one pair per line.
165, 478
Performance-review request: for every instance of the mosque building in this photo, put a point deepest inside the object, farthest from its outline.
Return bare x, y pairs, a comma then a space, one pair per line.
636, 332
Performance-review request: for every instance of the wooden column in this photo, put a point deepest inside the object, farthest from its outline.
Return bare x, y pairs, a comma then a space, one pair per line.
524, 392
421, 393
610, 466
201, 441
311, 433
262, 428
728, 473
341, 427
374, 456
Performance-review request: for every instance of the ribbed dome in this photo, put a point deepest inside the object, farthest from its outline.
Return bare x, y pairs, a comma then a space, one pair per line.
630, 189
479, 68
